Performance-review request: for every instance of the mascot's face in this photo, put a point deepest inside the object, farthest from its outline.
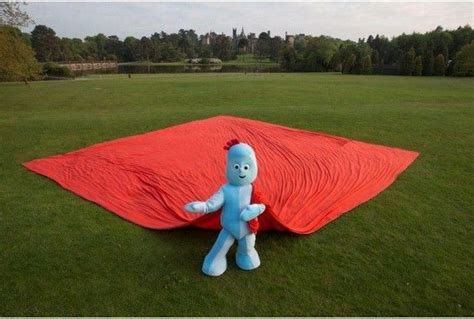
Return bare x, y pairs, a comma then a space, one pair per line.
241, 165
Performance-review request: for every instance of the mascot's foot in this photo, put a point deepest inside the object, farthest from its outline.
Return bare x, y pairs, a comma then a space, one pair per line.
248, 260
214, 267
215, 262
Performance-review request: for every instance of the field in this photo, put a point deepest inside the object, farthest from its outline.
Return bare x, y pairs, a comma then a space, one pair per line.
408, 252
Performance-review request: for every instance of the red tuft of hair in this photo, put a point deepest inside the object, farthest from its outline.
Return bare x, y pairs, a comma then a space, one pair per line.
231, 143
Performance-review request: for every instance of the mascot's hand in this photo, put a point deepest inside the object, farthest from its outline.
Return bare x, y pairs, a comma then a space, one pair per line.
196, 207
252, 211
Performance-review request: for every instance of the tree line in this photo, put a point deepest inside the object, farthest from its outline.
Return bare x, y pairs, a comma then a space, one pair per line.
437, 52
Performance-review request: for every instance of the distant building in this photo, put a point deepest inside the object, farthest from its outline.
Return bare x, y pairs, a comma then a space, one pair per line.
290, 39
207, 38
251, 41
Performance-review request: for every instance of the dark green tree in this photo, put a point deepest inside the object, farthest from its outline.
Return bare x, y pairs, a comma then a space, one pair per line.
418, 66
243, 43
131, 49
263, 46
276, 45
288, 58
439, 65
407, 66
464, 61
366, 65
349, 64
225, 47
146, 49
45, 43
428, 63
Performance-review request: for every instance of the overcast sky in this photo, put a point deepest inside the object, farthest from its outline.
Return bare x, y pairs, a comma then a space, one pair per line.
342, 20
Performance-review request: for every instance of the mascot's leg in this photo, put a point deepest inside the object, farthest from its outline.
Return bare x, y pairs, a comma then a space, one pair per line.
215, 262
247, 257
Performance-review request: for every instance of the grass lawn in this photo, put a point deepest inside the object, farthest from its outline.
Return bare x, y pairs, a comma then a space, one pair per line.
409, 251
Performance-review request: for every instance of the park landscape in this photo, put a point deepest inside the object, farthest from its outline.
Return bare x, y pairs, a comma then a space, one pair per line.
407, 252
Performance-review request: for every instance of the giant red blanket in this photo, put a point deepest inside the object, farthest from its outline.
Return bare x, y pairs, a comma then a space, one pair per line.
308, 178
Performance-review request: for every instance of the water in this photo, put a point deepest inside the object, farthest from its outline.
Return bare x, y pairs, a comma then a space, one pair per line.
136, 69
127, 68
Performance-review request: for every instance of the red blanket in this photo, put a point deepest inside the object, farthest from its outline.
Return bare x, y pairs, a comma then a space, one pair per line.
308, 178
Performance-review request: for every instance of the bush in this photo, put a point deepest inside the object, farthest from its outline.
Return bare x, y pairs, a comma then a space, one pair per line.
53, 69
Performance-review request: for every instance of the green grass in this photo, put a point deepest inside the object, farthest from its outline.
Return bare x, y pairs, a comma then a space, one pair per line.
408, 252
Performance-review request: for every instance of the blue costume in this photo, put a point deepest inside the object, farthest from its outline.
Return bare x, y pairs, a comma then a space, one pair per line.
237, 210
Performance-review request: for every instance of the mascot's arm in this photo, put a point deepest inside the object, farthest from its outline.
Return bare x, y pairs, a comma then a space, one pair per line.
213, 204
252, 211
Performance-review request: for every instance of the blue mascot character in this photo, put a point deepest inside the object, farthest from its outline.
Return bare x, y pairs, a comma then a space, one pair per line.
239, 212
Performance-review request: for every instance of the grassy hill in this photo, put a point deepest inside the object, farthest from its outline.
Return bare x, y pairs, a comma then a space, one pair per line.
408, 252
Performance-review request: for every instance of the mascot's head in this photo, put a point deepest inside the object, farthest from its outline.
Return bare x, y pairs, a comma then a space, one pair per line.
241, 163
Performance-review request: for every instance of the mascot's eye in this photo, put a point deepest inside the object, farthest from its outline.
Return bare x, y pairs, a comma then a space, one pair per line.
236, 166
246, 167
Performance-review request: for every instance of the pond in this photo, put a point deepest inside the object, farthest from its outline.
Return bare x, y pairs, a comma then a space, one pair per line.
136, 69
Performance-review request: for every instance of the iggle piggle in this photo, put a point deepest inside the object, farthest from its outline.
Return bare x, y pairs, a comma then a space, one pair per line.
240, 205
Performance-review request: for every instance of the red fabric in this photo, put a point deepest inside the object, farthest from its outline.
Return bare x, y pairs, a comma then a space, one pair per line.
308, 178
257, 198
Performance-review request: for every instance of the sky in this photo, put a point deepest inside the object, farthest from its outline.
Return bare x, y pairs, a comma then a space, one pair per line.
344, 20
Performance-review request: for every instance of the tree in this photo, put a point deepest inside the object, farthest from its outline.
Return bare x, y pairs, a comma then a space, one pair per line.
366, 65
318, 53
428, 63
407, 66
12, 15
146, 48
375, 57
17, 61
464, 61
349, 64
243, 43
439, 65
288, 58
45, 43
131, 49
263, 46
223, 47
418, 66
114, 47
276, 45
97, 46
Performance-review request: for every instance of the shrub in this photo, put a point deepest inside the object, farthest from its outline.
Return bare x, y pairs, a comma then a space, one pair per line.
53, 69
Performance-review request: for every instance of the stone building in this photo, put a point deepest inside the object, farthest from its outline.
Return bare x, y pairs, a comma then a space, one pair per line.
208, 38
251, 45
290, 39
